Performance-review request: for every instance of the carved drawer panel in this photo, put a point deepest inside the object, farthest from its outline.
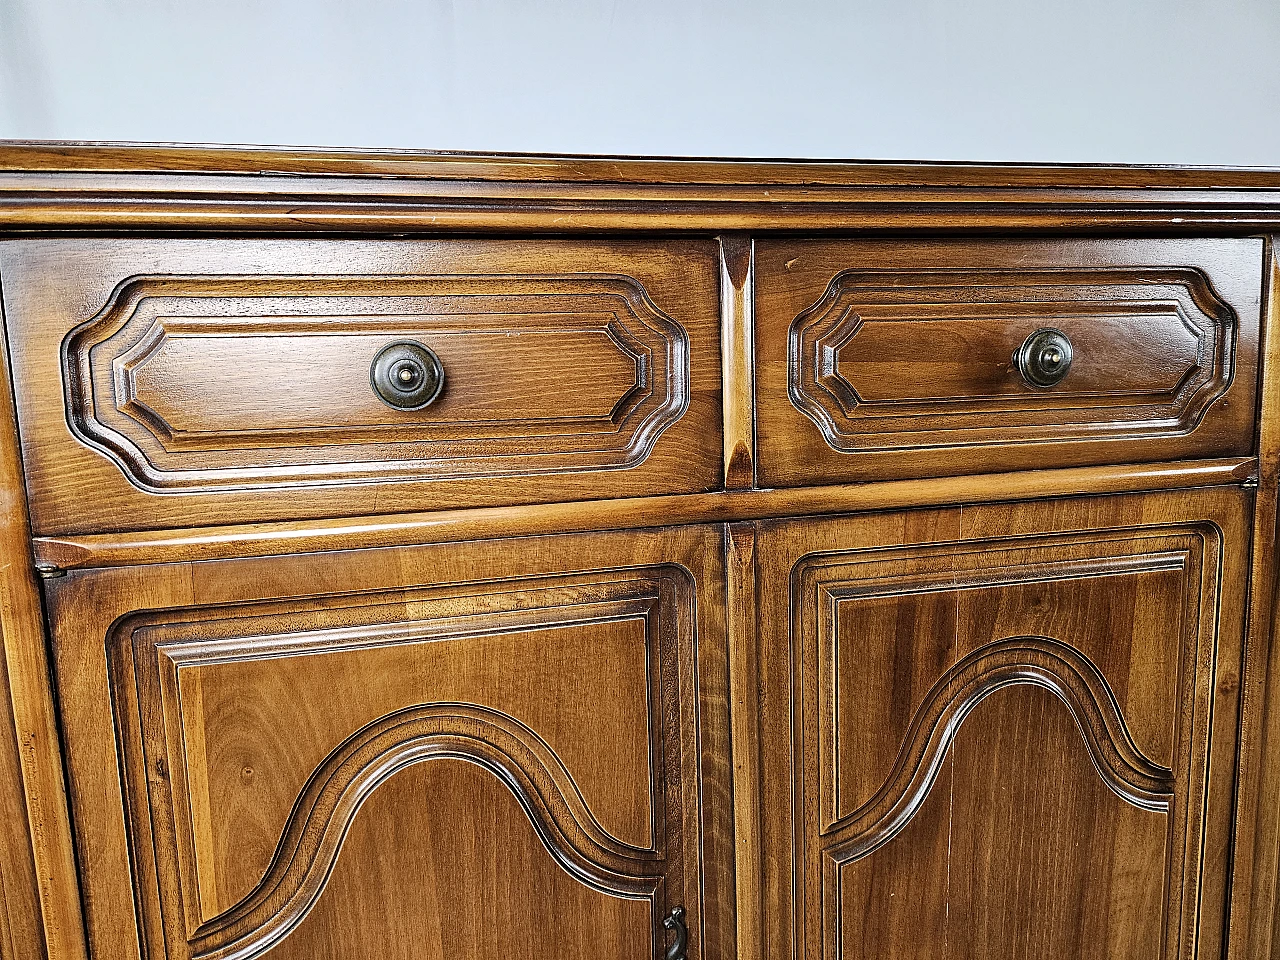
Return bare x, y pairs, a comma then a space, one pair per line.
1013, 728
475, 750
893, 359
219, 381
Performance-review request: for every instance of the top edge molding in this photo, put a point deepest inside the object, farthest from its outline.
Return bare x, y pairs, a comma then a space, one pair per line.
53, 156
63, 186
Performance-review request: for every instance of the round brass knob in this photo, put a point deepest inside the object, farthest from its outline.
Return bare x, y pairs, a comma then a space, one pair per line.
406, 375
1044, 358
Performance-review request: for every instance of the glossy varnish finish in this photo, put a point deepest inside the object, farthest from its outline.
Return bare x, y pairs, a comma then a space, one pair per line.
736, 598
40, 912
505, 738
71, 187
174, 383
896, 359
1011, 729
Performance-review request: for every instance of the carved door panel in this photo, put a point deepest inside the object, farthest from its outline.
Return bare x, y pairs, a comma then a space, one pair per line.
1003, 731
471, 750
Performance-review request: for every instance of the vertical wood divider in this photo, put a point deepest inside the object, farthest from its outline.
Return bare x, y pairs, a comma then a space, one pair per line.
744, 704
737, 344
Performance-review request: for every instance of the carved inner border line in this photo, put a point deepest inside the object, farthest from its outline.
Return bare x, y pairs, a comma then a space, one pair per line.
658, 399
546, 792
1048, 663
849, 424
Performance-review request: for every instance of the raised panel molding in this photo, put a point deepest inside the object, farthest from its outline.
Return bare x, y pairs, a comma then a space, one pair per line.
844, 827
513, 753
1039, 661
204, 383
1154, 349
163, 744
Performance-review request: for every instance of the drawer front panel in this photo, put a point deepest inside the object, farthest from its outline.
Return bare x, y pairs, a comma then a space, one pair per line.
476, 751
869, 351
1012, 735
218, 371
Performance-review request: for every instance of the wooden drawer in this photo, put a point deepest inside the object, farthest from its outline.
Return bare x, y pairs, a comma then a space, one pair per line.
481, 750
895, 359
172, 382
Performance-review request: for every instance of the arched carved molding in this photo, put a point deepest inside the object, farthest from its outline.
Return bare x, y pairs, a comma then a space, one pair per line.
332, 798
1040, 661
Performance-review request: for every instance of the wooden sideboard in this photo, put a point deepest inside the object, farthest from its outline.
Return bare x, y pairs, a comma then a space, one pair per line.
440, 555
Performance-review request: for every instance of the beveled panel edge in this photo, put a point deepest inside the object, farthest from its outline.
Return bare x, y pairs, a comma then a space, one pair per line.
837, 576
147, 645
319, 822
1038, 661
1134, 778
647, 419
68, 186
57, 553
818, 336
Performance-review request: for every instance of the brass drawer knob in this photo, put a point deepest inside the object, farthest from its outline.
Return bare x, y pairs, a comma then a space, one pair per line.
1044, 358
407, 375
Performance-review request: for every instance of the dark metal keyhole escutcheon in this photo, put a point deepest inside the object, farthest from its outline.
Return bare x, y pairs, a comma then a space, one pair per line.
406, 375
1044, 358
675, 921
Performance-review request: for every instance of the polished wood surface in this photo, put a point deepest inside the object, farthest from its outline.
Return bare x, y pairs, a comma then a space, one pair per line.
1011, 732
77, 187
41, 905
744, 692
878, 360
268, 539
737, 337
737, 598
21, 921
265, 710
572, 371
1254, 931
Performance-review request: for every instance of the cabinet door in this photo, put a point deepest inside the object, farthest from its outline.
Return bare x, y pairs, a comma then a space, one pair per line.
480, 750
1002, 731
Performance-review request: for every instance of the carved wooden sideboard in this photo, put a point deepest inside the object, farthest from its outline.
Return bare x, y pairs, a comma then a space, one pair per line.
434, 555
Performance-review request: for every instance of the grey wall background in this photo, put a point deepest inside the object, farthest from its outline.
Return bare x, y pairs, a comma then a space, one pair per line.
1144, 81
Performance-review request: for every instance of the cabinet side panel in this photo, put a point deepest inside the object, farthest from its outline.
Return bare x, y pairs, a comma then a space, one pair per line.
37, 794
1257, 840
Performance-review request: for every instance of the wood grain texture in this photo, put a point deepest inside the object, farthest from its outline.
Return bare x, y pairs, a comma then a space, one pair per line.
41, 901
744, 687
106, 187
21, 921
180, 383
300, 740
878, 360
269, 539
223, 383
734, 569
737, 337
1255, 892
1007, 730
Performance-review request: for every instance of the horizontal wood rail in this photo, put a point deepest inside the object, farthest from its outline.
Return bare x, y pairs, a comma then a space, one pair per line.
55, 553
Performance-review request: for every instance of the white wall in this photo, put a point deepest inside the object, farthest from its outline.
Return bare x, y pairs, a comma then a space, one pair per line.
1148, 81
